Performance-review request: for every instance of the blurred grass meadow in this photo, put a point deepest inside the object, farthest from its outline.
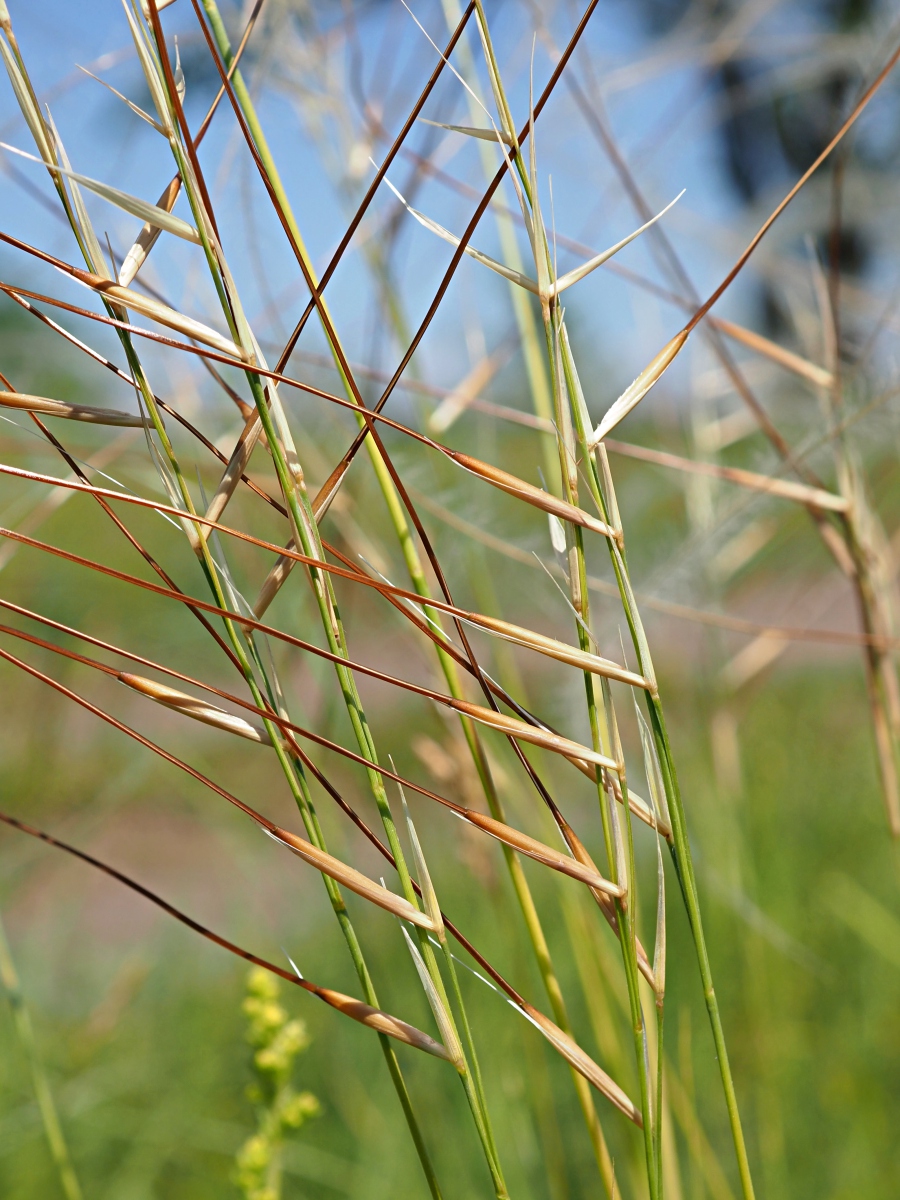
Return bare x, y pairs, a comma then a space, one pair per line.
757, 488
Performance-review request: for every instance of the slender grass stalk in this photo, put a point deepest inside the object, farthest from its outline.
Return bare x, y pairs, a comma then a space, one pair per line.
578, 592
53, 1131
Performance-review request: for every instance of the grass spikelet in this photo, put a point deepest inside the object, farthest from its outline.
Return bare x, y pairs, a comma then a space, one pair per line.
637, 390
821, 377
445, 1023
148, 236
513, 486
157, 311
72, 412
199, 710
350, 878
429, 896
382, 1022
150, 213
574, 657
584, 1064
529, 733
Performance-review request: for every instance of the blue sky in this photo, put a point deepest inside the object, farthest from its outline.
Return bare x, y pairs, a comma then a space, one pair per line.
658, 106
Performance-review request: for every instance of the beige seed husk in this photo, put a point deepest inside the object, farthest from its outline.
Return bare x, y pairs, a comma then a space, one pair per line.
542, 853
514, 486
73, 412
237, 464
787, 489
529, 733
637, 390
558, 650
382, 1022
146, 239
585, 1065
148, 307
190, 706
353, 879
785, 358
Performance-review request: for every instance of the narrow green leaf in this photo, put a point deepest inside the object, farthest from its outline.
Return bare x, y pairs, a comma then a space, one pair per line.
142, 209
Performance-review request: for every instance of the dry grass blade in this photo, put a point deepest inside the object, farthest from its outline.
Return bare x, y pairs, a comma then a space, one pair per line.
382, 1022
365, 1014
236, 467
150, 213
584, 1064
639, 388
578, 273
486, 135
352, 879
439, 1009
147, 238
574, 657
513, 486
819, 376
148, 307
583, 872
121, 297
529, 733
190, 706
73, 412
467, 390
787, 489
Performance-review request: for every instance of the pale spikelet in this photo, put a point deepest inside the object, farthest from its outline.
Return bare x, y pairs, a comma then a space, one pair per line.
190, 706
529, 733
148, 307
639, 388
792, 362
578, 273
527, 492
485, 259
443, 1018
486, 135
73, 412
124, 200
638, 806
236, 467
382, 1022
467, 390
605, 904
146, 239
160, 5
541, 853
429, 895
350, 878
273, 582
25, 99
787, 489
584, 1064
558, 650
